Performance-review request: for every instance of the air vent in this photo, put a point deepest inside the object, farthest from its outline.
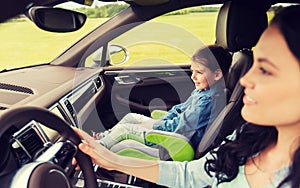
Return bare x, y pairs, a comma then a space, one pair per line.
71, 110
28, 142
31, 142
15, 88
97, 82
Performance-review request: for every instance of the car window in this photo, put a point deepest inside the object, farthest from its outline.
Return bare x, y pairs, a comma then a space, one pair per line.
168, 39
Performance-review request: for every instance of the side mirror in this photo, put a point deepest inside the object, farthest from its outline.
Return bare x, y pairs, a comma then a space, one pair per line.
116, 55
56, 19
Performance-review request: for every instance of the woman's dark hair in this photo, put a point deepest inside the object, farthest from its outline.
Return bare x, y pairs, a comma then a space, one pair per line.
250, 138
217, 57
288, 23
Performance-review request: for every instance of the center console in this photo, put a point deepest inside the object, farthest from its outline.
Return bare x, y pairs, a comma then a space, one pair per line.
104, 179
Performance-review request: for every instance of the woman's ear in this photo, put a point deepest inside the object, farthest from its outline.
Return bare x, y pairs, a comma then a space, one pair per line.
218, 74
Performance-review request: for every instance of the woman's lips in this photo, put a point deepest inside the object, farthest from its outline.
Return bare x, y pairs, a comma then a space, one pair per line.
248, 100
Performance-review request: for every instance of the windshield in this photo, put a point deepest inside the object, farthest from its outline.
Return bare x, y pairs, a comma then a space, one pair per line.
32, 45
24, 44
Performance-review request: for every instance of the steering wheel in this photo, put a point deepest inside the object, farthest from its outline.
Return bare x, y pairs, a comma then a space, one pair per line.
43, 173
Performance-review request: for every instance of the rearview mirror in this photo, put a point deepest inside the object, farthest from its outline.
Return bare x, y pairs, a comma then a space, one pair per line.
56, 19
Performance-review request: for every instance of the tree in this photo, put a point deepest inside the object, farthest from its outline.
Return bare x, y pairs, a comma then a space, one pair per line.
103, 11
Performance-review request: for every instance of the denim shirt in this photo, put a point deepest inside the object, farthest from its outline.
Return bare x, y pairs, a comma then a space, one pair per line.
192, 117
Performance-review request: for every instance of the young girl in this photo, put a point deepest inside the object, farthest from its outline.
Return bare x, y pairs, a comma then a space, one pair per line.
263, 155
190, 118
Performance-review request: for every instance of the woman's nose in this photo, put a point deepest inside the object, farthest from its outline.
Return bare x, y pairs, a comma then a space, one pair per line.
246, 81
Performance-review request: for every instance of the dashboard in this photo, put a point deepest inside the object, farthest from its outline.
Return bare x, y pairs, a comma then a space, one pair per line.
32, 138
69, 93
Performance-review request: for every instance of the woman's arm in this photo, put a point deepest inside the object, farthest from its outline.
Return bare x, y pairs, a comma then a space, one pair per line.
167, 173
144, 169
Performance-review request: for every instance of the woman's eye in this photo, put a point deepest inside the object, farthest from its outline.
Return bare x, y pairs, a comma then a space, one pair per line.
264, 71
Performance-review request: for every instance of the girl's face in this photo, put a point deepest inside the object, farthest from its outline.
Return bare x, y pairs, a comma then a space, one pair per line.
202, 76
272, 85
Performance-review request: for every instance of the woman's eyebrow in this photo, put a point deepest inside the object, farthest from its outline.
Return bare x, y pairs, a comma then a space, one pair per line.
265, 60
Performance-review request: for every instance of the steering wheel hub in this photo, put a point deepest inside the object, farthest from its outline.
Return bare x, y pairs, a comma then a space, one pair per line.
41, 174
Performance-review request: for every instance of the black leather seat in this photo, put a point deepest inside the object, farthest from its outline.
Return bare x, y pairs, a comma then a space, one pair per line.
239, 38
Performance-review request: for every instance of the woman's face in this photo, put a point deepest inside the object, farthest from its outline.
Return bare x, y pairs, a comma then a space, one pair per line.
202, 76
272, 85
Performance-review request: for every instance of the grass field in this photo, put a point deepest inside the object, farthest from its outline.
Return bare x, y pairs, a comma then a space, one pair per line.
22, 43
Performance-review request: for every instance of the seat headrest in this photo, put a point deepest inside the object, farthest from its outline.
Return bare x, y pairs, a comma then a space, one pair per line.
240, 25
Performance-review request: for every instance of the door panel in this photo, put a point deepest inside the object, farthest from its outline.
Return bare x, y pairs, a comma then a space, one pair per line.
141, 90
